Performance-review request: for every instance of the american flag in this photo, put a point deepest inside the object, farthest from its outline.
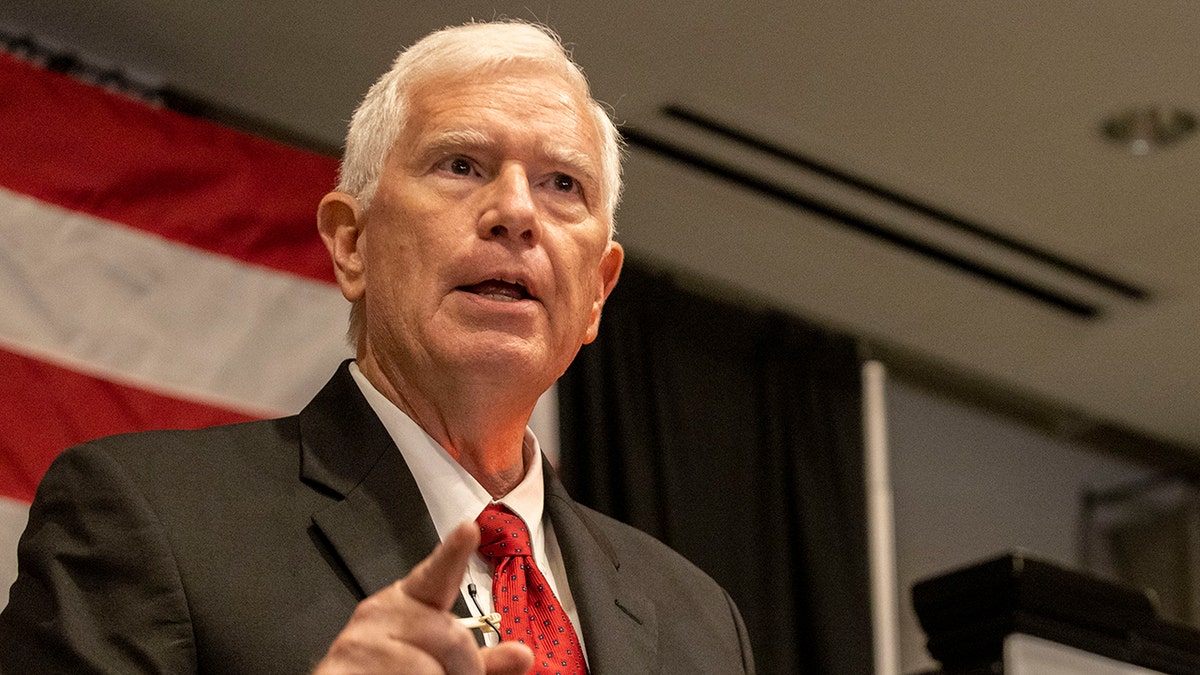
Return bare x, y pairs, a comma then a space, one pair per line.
156, 271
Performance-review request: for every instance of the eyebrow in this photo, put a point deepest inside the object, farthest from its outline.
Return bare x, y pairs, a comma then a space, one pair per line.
455, 139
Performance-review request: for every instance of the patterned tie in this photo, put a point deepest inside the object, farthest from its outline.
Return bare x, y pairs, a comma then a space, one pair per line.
529, 612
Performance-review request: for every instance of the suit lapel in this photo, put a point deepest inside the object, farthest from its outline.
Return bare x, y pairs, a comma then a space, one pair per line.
619, 623
380, 528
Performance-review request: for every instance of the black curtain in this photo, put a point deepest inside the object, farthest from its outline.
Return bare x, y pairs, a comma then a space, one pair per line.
735, 436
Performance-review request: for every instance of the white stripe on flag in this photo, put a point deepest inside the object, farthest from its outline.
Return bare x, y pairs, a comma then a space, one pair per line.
118, 303
13, 515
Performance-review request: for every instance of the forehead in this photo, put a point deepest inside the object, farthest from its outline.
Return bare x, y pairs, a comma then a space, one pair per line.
518, 106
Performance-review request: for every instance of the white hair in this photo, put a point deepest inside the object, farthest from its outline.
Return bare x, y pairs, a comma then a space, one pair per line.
461, 50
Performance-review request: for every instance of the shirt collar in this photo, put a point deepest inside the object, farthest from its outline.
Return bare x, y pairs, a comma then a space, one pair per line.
451, 494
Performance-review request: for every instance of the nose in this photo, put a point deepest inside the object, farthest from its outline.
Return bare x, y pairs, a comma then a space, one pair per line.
510, 212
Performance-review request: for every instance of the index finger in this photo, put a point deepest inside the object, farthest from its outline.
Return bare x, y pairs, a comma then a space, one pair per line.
435, 581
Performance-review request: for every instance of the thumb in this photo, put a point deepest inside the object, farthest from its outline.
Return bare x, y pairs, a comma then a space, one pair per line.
507, 658
435, 580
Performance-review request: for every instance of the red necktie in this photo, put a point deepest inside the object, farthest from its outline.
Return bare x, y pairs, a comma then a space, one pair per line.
529, 612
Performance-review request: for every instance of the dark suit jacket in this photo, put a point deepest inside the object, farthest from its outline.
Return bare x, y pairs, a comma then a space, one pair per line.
245, 548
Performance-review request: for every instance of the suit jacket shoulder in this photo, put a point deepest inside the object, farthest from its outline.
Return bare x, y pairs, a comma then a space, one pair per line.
234, 549
643, 607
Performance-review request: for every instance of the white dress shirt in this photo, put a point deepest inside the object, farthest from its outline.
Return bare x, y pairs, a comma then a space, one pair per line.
452, 496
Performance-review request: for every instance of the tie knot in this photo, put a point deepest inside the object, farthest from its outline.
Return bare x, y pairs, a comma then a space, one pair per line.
502, 533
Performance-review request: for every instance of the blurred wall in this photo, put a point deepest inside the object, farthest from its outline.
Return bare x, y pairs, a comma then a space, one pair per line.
970, 485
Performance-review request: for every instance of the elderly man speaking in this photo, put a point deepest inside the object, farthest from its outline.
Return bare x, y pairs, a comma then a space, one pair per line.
472, 233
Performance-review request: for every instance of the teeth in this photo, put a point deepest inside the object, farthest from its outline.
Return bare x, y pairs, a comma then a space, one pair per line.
501, 298
500, 290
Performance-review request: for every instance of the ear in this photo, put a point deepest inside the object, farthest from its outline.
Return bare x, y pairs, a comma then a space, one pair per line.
340, 222
610, 269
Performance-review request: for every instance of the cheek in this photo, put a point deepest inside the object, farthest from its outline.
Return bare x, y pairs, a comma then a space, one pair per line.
585, 285
398, 240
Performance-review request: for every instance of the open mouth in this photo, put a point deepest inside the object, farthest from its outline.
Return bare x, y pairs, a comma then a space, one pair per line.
496, 289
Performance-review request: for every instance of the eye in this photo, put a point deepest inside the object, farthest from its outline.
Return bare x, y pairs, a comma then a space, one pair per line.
457, 165
564, 183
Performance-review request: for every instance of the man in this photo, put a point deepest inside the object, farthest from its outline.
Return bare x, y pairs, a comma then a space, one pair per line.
472, 231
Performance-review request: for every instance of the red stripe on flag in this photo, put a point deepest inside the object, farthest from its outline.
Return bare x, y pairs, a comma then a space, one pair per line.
48, 408
86, 149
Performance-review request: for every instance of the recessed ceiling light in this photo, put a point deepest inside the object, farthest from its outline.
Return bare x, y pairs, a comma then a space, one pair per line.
1148, 128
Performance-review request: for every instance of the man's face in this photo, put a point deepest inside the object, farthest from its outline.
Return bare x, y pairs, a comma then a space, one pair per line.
486, 247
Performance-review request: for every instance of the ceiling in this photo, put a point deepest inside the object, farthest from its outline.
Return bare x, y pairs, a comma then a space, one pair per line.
985, 115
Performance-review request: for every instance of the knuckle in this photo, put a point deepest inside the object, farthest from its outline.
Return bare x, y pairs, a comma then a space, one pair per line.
371, 606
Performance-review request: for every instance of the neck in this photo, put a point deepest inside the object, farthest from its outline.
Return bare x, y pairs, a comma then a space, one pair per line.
481, 427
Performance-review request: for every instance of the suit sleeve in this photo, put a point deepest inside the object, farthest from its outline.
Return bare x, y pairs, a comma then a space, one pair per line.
97, 589
742, 636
